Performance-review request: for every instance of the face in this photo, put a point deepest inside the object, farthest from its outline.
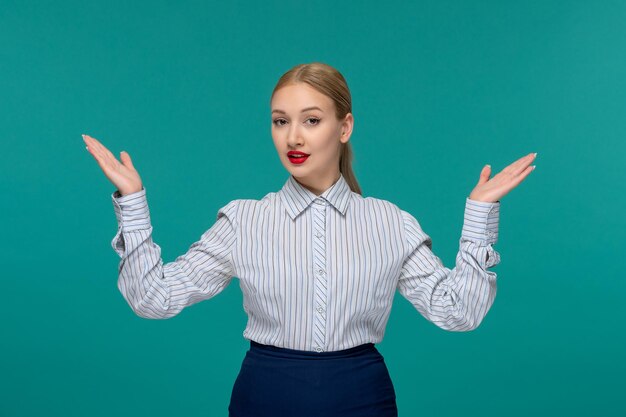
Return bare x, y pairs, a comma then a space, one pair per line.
304, 120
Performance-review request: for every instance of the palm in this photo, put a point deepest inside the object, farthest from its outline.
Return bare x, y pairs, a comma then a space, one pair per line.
492, 190
122, 174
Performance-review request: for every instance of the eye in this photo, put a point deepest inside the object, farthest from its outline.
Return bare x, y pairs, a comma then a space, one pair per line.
315, 121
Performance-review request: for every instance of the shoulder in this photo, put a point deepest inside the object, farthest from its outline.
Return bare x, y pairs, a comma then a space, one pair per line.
411, 229
404, 215
243, 207
379, 212
376, 204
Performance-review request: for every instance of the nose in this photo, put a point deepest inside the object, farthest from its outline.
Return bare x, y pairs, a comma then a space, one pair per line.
294, 139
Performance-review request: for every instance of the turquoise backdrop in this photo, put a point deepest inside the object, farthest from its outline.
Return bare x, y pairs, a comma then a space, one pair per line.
439, 89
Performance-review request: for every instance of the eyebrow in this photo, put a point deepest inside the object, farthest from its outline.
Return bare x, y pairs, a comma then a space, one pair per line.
303, 110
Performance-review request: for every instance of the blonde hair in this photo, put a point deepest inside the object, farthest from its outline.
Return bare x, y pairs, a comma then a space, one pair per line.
328, 81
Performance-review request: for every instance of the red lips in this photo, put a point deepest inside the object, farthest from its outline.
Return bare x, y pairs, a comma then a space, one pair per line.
297, 154
296, 157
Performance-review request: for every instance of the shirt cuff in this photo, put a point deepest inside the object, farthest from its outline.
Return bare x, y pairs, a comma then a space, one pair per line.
131, 210
481, 221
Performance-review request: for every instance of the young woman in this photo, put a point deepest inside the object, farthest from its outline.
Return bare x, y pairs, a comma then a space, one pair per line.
318, 263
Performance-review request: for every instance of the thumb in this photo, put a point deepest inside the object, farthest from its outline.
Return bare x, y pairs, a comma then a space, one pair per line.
126, 161
484, 174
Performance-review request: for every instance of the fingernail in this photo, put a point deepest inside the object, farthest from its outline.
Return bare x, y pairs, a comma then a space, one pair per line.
488, 165
87, 147
534, 167
535, 153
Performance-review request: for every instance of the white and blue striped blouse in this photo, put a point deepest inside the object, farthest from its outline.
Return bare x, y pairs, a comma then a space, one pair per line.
318, 273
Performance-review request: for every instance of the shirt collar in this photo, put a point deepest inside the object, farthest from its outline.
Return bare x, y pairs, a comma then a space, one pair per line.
296, 197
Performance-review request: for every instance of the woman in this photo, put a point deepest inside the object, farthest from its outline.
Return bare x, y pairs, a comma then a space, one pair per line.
318, 264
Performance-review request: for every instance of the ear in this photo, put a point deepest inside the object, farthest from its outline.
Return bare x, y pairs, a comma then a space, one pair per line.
347, 126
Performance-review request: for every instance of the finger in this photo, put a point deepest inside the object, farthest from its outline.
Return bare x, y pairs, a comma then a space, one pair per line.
484, 174
520, 165
108, 164
90, 146
102, 153
521, 162
125, 158
87, 142
97, 157
97, 146
515, 181
95, 149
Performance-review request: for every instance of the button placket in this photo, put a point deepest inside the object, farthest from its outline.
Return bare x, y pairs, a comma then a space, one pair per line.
320, 282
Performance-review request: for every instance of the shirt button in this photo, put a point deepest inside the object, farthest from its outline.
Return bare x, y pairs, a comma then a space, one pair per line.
320, 309
318, 349
320, 271
318, 234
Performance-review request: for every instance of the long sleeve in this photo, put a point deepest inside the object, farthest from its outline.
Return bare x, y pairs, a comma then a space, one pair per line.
453, 299
158, 291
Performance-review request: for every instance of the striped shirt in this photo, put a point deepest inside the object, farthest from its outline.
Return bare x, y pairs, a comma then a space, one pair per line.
317, 273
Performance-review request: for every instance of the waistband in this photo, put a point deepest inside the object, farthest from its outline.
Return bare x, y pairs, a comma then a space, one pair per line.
294, 353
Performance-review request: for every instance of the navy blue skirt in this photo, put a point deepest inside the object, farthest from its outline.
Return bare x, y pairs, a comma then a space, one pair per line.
280, 382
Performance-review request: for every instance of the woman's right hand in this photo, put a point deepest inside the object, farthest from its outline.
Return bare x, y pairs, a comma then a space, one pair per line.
122, 174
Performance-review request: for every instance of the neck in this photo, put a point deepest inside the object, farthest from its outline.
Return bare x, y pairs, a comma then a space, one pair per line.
318, 186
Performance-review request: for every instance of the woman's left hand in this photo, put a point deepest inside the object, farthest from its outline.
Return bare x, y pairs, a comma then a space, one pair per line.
492, 190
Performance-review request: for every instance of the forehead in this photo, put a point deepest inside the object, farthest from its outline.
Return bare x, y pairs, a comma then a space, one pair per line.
294, 97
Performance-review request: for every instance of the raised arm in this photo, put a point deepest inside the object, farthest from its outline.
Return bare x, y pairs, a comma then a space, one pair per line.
152, 289
454, 299
458, 299
159, 291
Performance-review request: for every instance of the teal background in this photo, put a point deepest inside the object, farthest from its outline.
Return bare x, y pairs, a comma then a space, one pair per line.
439, 89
